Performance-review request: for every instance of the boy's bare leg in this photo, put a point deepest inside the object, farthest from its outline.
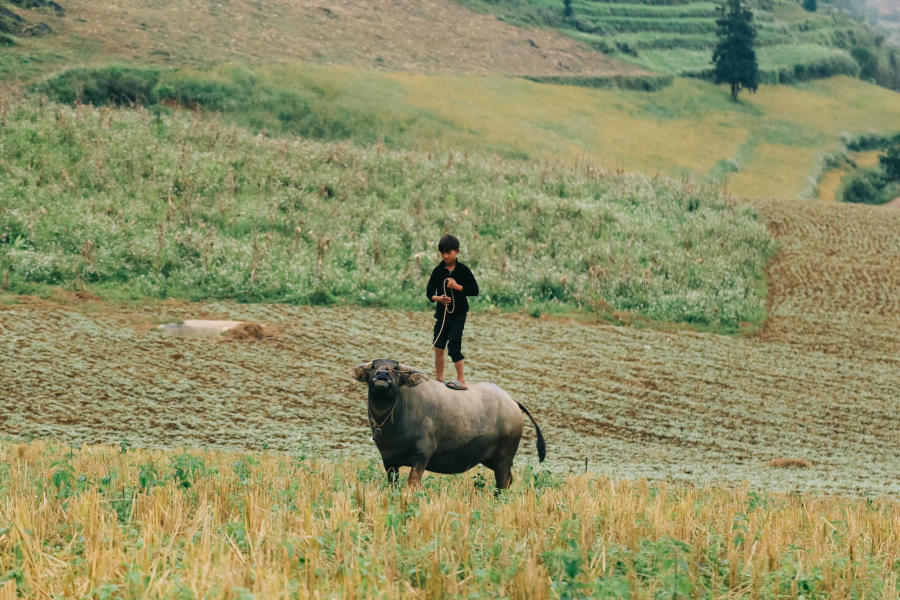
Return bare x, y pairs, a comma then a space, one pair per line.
459, 372
439, 364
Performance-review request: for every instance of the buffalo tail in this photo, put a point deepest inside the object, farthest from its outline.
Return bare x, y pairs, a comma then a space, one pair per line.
541, 446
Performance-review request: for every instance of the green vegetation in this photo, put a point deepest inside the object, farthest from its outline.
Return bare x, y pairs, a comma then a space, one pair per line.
138, 204
771, 143
865, 170
878, 184
104, 522
793, 44
307, 106
882, 14
734, 59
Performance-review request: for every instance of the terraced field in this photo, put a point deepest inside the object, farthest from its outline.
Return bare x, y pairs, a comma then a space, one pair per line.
678, 37
820, 383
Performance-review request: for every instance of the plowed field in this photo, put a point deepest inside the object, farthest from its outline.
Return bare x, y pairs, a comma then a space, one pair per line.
819, 383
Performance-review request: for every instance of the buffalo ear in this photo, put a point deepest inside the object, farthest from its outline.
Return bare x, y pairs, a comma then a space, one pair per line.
409, 376
361, 372
416, 378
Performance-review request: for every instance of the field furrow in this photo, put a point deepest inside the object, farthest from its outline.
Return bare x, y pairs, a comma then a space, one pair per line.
820, 382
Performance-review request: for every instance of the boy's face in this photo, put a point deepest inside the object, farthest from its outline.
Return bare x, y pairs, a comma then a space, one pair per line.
449, 257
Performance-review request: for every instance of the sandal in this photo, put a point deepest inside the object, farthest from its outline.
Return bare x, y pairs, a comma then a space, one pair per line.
455, 385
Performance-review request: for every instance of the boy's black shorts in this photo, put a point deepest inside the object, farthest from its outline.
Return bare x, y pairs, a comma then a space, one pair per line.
450, 336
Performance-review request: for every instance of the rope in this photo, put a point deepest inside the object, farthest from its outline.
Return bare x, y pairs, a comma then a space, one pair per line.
446, 312
375, 424
390, 414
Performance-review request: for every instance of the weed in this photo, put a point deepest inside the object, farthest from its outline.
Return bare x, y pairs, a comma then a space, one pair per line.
586, 537
186, 468
148, 477
263, 232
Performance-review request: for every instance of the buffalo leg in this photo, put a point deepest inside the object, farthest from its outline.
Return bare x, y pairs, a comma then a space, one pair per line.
415, 475
392, 473
503, 475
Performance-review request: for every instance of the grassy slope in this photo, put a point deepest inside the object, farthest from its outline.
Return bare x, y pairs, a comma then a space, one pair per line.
884, 14
772, 139
679, 38
436, 36
193, 208
829, 187
771, 144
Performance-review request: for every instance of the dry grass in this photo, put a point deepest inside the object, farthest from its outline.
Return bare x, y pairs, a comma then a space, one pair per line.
104, 522
432, 102
684, 130
431, 36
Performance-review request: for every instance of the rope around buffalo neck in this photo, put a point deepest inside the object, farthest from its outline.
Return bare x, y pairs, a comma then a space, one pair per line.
390, 415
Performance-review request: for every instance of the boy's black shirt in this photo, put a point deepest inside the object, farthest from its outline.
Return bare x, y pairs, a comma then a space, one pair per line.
463, 276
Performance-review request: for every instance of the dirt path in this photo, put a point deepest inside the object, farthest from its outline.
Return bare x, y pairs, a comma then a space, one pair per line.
819, 383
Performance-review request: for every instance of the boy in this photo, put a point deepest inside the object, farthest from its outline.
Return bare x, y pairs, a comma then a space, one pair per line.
450, 284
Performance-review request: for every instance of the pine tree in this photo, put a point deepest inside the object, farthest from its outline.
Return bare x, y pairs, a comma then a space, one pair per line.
890, 162
810, 5
734, 59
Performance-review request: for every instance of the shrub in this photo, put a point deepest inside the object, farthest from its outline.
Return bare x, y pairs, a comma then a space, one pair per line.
859, 189
868, 62
870, 140
890, 162
110, 85
645, 83
202, 93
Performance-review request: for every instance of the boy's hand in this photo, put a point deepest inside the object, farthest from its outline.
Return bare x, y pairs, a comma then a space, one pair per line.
444, 299
451, 283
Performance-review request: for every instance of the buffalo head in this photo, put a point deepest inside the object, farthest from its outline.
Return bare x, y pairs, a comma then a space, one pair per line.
384, 375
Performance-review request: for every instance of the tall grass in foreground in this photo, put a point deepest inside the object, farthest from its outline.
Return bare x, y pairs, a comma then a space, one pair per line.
135, 204
103, 522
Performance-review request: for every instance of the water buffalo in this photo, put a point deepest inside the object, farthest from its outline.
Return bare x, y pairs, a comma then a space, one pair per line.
418, 422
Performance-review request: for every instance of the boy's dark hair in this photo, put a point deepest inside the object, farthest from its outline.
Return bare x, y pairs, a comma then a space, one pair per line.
447, 243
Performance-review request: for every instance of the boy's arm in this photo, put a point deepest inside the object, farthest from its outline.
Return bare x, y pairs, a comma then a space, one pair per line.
470, 286
431, 288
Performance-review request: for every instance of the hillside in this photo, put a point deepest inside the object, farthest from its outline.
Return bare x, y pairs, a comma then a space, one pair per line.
434, 36
432, 78
140, 206
711, 353
773, 143
882, 14
678, 37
